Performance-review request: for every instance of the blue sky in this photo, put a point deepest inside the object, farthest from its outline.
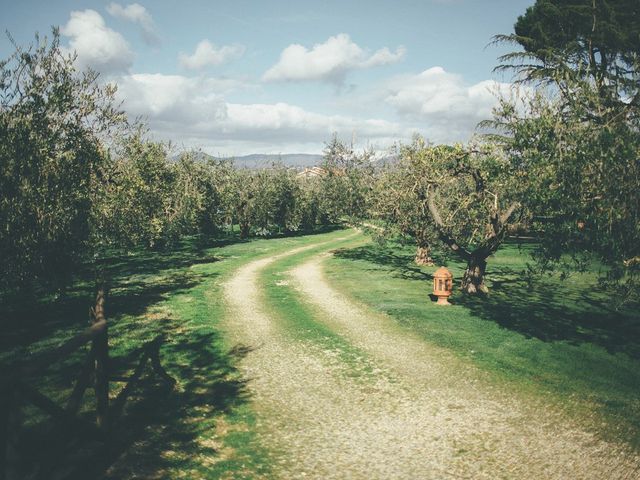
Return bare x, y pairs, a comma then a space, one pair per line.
281, 76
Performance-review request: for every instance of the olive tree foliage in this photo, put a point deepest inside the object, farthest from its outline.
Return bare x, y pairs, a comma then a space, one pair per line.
274, 200
52, 122
584, 179
470, 193
277, 200
215, 183
276, 194
346, 187
77, 180
397, 203
145, 199
308, 213
579, 138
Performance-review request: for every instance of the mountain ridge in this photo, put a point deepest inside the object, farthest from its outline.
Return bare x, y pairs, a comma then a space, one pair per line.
261, 160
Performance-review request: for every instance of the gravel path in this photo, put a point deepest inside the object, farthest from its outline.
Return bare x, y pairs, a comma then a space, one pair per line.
407, 410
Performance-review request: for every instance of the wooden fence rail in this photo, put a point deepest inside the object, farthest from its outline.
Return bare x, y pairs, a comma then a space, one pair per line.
14, 392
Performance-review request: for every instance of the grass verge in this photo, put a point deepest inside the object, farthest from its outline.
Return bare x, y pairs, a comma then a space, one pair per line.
543, 335
298, 319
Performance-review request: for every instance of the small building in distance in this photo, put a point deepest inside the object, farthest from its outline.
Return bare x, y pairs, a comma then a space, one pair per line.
311, 172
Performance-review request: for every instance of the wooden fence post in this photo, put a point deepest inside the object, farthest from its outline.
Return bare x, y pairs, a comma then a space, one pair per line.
100, 347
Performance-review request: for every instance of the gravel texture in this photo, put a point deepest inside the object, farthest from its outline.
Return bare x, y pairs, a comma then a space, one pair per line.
402, 409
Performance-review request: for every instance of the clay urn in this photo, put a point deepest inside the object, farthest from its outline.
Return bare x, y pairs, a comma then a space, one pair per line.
442, 285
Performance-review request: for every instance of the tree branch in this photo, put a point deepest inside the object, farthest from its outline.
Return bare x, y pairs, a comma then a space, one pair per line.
491, 244
504, 218
442, 233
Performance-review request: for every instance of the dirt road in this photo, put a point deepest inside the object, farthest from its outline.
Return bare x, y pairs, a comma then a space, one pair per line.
400, 408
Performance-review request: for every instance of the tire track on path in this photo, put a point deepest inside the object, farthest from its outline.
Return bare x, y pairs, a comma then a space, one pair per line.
311, 416
440, 419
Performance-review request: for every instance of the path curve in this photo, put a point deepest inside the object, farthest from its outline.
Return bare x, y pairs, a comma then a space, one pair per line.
419, 414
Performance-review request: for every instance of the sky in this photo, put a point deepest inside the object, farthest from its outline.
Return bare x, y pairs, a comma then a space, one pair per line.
283, 76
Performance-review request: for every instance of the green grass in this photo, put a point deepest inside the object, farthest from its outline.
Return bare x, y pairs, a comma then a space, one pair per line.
204, 428
299, 320
543, 335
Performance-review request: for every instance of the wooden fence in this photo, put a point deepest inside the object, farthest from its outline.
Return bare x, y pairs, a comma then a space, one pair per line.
15, 393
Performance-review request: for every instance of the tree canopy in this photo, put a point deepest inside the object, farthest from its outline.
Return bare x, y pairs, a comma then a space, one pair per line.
595, 40
52, 123
580, 139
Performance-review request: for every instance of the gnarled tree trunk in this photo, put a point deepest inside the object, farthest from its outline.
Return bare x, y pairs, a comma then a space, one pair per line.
473, 278
244, 229
423, 256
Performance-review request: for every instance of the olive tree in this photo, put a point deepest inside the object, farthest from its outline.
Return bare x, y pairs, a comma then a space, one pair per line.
215, 180
397, 204
276, 195
308, 203
53, 120
471, 193
346, 185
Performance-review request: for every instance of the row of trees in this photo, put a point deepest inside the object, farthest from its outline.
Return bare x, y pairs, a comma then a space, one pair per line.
78, 181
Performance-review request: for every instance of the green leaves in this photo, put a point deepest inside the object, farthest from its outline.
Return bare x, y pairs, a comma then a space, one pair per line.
51, 119
580, 177
567, 41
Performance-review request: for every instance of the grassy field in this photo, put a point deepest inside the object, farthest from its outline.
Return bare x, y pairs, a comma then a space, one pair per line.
559, 339
203, 429
551, 337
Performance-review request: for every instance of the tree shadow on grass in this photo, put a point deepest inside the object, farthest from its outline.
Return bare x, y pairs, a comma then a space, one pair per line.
161, 428
29, 329
136, 280
164, 430
133, 283
205, 370
400, 263
541, 307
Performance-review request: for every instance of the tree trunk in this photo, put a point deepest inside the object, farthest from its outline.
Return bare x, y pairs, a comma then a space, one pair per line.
100, 347
244, 230
473, 279
423, 256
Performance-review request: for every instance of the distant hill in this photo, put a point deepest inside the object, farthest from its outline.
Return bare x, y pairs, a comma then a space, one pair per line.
298, 161
260, 160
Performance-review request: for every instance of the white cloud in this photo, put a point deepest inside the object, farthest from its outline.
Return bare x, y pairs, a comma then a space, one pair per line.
207, 53
384, 56
329, 61
193, 111
448, 107
173, 99
136, 13
97, 45
285, 120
